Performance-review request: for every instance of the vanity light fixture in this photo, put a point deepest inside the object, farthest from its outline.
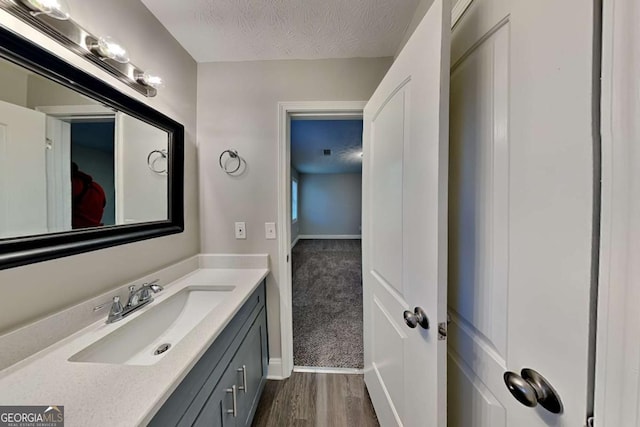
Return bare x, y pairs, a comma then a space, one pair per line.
57, 9
107, 47
52, 17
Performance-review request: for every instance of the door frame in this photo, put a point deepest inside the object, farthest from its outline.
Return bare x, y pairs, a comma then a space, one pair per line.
283, 367
618, 320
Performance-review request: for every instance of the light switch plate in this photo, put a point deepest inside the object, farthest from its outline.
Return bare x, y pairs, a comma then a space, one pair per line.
270, 230
241, 230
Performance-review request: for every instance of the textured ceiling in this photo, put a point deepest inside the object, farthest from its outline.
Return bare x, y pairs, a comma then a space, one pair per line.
241, 30
310, 137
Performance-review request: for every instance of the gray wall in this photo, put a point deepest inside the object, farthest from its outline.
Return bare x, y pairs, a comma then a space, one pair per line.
14, 84
42, 92
330, 204
237, 108
295, 226
64, 282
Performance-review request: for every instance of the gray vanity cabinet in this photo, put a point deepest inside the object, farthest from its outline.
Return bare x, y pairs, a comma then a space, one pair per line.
234, 401
223, 389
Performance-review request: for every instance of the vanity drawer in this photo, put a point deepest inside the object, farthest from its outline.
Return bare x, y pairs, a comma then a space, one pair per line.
187, 401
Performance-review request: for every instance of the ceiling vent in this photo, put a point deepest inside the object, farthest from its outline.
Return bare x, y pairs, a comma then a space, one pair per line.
326, 152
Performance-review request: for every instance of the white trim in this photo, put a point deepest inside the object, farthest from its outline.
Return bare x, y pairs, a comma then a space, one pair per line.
317, 370
77, 110
285, 109
323, 116
329, 236
275, 369
118, 166
295, 242
617, 391
458, 10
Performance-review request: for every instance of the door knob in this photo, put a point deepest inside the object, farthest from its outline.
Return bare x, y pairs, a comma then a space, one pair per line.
530, 388
418, 317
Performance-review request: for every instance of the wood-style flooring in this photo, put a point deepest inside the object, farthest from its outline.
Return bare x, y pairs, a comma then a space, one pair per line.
316, 400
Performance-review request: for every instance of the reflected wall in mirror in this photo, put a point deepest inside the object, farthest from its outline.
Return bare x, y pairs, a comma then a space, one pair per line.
68, 162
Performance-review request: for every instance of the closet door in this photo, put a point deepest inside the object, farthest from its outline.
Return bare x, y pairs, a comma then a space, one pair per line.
521, 209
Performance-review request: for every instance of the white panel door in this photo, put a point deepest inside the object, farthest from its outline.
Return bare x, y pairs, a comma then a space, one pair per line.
141, 194
23, 183
520, 224
404, 237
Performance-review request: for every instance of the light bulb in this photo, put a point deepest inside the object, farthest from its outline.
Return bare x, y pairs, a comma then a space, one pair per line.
107, 47
149, 79
58, 9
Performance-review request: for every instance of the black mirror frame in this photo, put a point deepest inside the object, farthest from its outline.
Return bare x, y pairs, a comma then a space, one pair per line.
31, 249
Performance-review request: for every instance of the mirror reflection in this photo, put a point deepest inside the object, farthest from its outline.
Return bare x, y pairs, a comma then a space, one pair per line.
68, 162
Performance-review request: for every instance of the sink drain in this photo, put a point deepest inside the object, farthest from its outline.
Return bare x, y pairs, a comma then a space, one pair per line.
161, 349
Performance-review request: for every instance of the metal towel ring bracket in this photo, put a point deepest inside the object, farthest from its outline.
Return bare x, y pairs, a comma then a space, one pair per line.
233, 154
152, 164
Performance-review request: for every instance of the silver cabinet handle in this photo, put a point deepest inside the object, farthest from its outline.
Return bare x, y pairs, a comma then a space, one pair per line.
243, 387
234, 393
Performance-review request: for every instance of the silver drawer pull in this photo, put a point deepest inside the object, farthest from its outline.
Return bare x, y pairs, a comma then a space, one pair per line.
234, 393
243, 387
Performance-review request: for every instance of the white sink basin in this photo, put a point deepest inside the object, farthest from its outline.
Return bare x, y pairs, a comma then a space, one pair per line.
167, 322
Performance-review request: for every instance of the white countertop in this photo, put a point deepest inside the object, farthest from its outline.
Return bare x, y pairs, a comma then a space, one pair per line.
96, 394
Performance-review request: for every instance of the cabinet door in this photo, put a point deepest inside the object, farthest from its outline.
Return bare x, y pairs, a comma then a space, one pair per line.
221, 409
250, 366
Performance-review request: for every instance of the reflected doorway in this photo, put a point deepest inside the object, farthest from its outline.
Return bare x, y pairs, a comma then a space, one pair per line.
93, 152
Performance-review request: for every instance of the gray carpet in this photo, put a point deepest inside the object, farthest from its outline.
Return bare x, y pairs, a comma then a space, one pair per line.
327, 303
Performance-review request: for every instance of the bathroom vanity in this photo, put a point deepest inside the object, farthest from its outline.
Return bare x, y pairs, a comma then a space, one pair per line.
224, 387
212, 372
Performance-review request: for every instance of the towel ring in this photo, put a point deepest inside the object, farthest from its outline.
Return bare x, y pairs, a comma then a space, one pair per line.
152, 164
233, 154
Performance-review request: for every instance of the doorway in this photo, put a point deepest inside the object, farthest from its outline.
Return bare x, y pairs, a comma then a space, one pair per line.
326, 254
93, 152
317, 245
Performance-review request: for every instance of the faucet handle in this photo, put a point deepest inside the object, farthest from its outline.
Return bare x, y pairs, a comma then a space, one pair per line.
116, 310
116, 306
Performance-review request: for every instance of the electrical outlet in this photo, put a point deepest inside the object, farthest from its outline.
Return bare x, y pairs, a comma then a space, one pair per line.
270, 230
241, 230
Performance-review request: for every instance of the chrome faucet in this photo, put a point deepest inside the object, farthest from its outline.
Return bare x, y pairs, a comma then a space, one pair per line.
137, 298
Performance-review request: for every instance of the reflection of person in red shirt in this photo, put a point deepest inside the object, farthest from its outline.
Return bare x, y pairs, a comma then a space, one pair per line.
88, 200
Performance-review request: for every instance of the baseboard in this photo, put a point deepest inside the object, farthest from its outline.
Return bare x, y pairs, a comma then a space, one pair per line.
317, 370
330, 236
275, 369
295, 242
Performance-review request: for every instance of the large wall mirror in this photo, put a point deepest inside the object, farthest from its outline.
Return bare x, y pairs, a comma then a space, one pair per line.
82, 166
